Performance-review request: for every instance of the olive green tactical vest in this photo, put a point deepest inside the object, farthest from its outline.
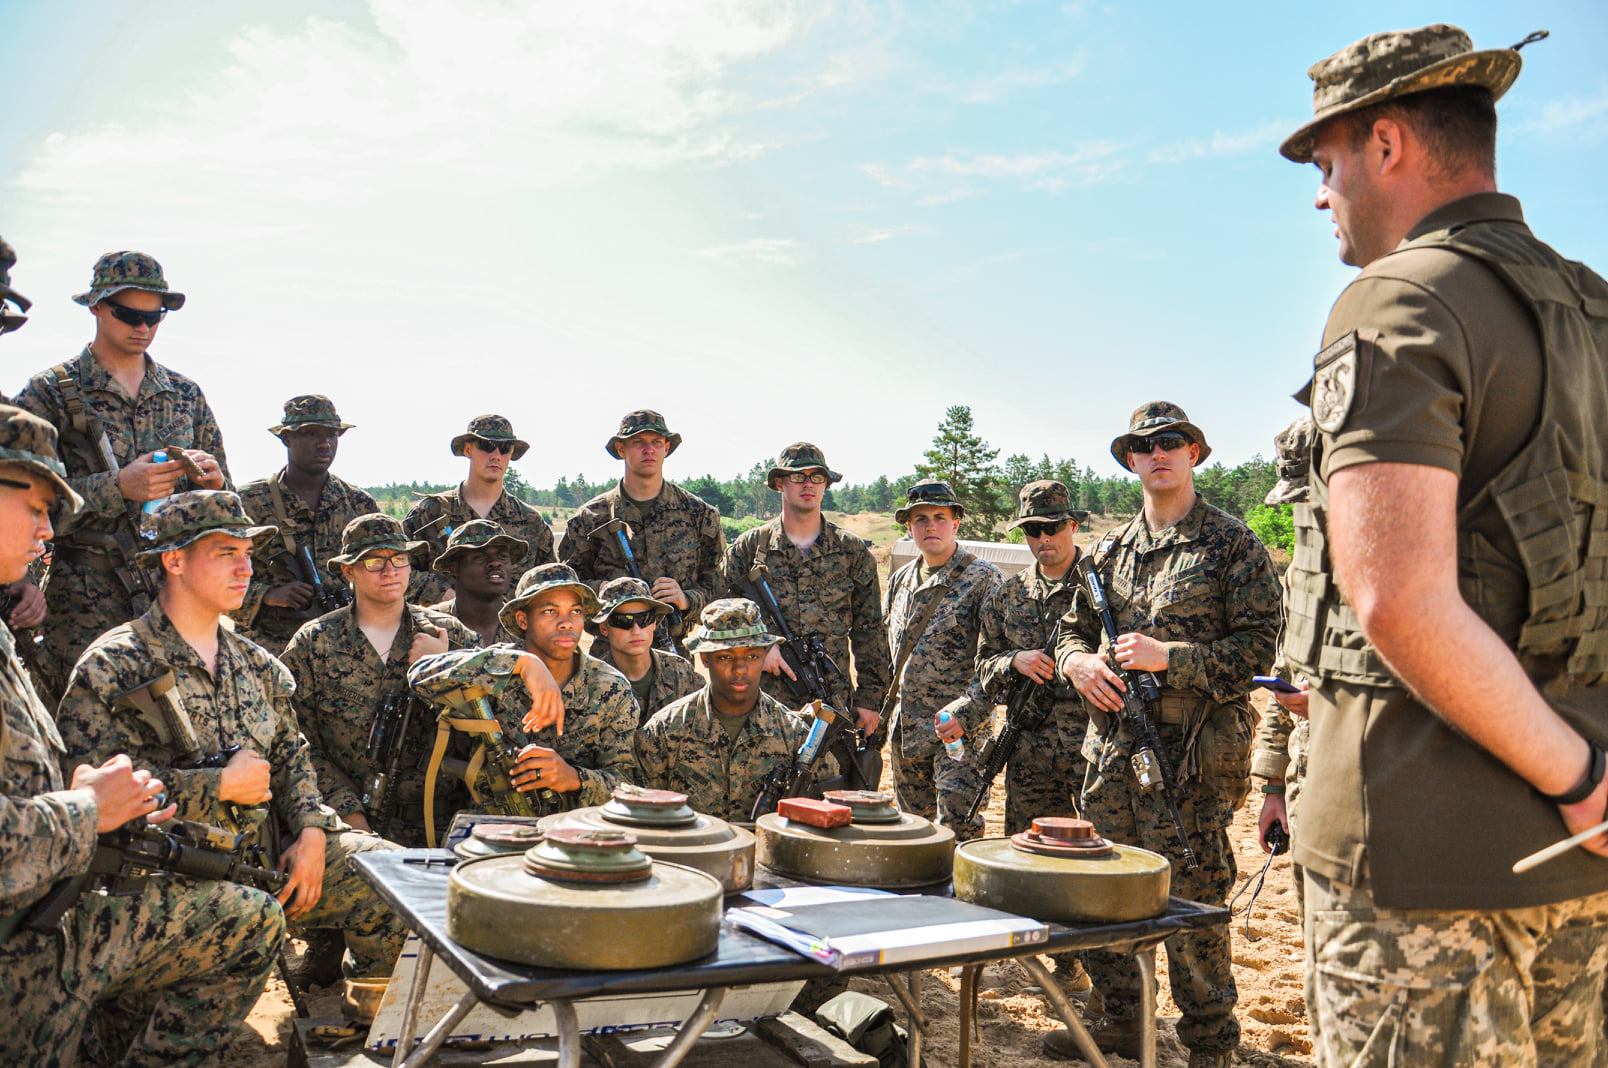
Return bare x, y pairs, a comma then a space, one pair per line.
1549, 503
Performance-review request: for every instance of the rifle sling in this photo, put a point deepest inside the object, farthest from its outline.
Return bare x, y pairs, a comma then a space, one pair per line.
445, 725
282, 514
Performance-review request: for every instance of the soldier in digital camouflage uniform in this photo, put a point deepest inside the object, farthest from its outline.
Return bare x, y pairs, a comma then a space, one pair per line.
114, 386
482, 560
934, 613
675, 536
717, 745
29, 608
311, 507
234, 693
191, 955
490, 446
583, 765
342, 681
1196, 602
1449, 588
824, 580
623, 639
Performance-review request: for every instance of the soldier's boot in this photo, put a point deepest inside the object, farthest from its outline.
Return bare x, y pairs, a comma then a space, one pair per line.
1211, 1058
1072, 979
1121, 1037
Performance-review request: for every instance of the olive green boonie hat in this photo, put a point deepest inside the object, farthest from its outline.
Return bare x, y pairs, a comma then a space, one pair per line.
928, 491
1294, 444
1158, 417
9, 321
310, 409
493, 428
1385, 66
800, 456
117, 271
731, 623
185, 518
539, 580
640, 422
1046, 501
28, 441
366, 533
480, 534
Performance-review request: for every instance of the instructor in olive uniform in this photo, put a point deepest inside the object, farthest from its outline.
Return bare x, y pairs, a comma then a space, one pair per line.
1458, 493
1196, 602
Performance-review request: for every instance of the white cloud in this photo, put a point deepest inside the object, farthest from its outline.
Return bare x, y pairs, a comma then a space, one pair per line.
933, 200
780, 251
996, 87
871, 235
1264, 137
1568, 113
1097, 161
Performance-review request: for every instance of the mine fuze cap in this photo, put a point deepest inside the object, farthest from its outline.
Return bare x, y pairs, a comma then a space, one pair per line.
640, 422
731, 623
480, 534
537, 581
493, 428
29, 441
366, 533
1158, 417
928, 491
8, 260
310, 409
1046, 501
117, 271
1385, 66
800, 456
184, 518
1294, 444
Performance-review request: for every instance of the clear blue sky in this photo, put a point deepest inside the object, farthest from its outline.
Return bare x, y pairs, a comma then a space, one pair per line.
772, 222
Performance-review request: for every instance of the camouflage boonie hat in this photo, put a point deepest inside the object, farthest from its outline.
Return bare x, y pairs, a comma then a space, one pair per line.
1294, 444
640, 422
480, 534
622, 591
800, 456
185, 518
537, 581
731, 623
928, 491
10, 320
493, 428
29, 441
310, 409
117, 271
1385, 66
1046, 501
1158, 417
376, 530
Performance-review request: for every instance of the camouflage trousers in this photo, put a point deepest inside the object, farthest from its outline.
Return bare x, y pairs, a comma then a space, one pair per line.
192, 955
373, 933
1199, 962
939, 787
81, 604
1508, 987
1044, 778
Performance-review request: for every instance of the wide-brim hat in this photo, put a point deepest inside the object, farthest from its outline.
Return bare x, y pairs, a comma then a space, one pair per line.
797, 457
30, 442
1046, 501
117, 271
311, 409
480, 534
731, 623
640, 422
622, 591
182, 519
366, 533
928, 491
1385, 66
495, 428
539, 580
1294, 464
1159, 417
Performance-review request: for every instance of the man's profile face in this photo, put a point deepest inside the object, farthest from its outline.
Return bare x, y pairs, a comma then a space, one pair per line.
644, 453
484, 573
553, 624
121, 337
24, 520
933, 527
311, 448
734, 675
215, 570
1350, 193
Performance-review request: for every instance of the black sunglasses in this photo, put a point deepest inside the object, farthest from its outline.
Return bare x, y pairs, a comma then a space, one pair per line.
1043, 530
503, 447
1164, 442
133, 316
627, 620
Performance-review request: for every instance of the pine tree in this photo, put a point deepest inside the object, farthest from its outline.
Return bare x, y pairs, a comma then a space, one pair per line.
964, 460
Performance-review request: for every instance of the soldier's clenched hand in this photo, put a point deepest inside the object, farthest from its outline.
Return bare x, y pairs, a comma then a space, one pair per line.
540, 767
291, 595
1034, 664
1140, 652
246, 779
427, 643
121, 793
1093, 678
143, 480
304, 861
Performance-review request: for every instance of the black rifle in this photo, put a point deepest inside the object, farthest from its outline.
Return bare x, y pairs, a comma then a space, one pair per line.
813, 667
125, 858
662, 637
1143, 693
387, 740
1025, 711
798, 778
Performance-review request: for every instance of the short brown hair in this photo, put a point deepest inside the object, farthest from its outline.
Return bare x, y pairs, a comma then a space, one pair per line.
1457, 124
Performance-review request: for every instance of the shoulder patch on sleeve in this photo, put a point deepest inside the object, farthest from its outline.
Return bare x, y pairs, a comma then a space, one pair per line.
1334, 383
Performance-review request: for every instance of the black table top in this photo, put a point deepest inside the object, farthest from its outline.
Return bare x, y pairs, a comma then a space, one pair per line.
414, 883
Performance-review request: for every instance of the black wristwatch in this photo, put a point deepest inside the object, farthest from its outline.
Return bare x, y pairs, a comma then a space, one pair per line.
1589, 779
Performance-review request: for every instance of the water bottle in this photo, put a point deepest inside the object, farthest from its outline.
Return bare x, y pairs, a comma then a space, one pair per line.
957, 748
157, 457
